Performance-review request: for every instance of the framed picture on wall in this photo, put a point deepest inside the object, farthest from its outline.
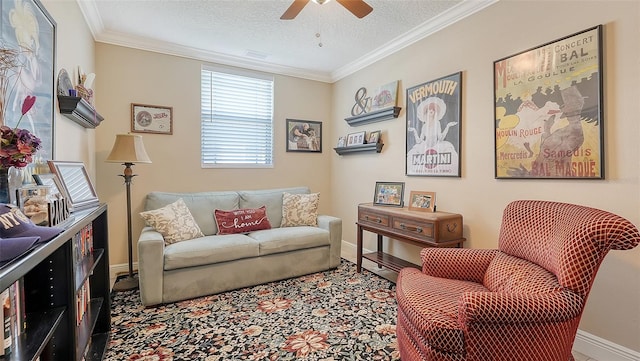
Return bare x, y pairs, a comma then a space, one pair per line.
151, 119
434, 125
304, 136
548, 110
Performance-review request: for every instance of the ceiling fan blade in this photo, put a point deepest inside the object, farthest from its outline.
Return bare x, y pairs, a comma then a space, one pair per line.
294, 9
358, 8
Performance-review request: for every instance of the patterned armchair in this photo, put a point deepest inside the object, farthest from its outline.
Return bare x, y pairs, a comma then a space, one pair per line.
522, 301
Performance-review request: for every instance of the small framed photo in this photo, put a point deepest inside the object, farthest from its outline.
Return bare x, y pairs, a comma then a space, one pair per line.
374, 137
355, 138
76, 184
34, 203
304, 136
51, 180
389, 194
422, 201
151, 119
342, 142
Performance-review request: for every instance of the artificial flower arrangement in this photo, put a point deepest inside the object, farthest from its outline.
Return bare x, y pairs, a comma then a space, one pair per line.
18, 145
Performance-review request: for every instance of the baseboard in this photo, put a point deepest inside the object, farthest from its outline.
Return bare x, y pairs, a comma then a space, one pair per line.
117, 269
585, 343
602, 350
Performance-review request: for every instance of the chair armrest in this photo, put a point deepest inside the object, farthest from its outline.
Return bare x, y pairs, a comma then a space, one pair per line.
513, 308
334, 226
464, 264
150, 266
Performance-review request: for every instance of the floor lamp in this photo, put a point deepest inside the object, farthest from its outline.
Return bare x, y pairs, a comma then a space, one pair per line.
128, 149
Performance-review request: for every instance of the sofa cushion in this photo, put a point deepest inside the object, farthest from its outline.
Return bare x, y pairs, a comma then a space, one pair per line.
241, 220
201, 205
272, 198
279, 240
208, 250
300, 209
174, 221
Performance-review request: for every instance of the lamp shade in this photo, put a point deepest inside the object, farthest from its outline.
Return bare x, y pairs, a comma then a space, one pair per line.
128, 148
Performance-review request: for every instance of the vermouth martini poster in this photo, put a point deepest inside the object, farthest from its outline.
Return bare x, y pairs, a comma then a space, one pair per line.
548, 114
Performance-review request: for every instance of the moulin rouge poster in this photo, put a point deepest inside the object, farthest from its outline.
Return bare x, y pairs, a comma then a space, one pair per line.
548, 113
433, 127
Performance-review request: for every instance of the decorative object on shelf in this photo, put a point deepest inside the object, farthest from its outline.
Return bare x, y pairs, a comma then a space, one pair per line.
355, 139
65, 86
389, 194
27, 65
434, 119
128, 149
304, 136
374, 136
59, 207
369, 147
151, 119
18, 148
83, 89
342, 142
548, 110
79, 110
422, 201
381, 106
76, 184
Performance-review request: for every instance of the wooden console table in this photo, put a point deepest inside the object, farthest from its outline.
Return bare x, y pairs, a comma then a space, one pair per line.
424, 229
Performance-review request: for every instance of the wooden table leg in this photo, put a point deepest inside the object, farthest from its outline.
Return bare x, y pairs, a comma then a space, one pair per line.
359, 251
379, 248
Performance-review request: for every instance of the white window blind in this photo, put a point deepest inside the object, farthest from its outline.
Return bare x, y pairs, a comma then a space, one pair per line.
236, 119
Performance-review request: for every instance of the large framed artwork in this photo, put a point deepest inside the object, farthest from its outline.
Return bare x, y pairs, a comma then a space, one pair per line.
434, 113
27, 64
548, 110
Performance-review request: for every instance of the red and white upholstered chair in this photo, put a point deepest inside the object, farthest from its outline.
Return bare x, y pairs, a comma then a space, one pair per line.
522, 301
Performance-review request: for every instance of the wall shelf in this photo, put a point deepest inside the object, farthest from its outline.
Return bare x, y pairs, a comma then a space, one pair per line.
79, 110
372, 117
372, 147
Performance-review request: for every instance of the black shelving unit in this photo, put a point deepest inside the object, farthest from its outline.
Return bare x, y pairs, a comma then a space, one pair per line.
52, 279
79, 110
369, 147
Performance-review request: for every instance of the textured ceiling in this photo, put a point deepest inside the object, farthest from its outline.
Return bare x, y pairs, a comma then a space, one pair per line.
249, 33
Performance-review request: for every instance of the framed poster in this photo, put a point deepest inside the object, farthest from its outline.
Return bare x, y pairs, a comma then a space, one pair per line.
151, 119
548, 110
304, 136
433, 127
389, 194
27, 48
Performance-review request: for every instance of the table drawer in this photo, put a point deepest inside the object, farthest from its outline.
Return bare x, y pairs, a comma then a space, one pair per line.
424, 230
373, 218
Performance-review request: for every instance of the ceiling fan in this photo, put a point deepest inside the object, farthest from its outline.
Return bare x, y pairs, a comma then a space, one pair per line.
358, 8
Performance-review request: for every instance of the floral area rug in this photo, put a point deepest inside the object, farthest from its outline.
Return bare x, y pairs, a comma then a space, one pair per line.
329, 316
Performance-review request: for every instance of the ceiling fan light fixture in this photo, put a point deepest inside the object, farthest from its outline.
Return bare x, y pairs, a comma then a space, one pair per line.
320, 2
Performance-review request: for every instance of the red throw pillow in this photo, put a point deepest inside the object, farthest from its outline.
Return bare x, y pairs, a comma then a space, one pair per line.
242, 220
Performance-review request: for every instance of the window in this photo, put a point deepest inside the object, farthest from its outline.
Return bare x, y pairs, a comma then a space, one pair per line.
236, 119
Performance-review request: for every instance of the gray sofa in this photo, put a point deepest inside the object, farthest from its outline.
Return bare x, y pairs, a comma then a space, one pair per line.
216, 263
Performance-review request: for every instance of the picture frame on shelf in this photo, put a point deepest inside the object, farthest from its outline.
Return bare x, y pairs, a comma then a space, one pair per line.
548, 108
304, 136
155, 119
374, 137
355, 138
422, 201
34, 201
76, 184
342, 142
51, 180
389, 194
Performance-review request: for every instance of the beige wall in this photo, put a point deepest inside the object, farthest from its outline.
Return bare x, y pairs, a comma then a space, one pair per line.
74, 47
471, 46
134, 76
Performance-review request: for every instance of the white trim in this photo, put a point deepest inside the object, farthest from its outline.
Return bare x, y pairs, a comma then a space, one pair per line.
102, 35
600, 349
118, 269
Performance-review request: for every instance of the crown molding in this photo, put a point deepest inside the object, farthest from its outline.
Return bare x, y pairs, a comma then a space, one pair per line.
100, 34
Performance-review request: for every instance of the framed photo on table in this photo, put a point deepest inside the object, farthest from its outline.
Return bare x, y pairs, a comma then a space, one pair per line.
548, 110
422, 201
151, 119
76, 184
389, 194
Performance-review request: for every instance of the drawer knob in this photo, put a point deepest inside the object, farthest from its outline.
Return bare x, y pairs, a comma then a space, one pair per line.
416, 229
377, 220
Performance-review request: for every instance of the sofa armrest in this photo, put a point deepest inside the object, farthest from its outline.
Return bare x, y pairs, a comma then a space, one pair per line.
464, 264
150, 266
334, 226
